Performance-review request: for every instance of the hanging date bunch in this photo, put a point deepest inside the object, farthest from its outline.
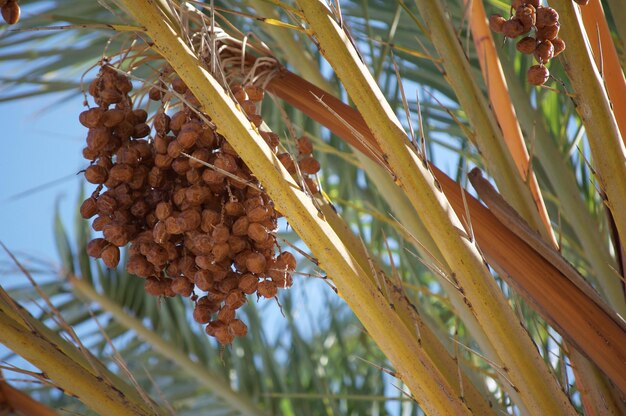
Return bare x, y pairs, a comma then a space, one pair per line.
544, 43
195, 220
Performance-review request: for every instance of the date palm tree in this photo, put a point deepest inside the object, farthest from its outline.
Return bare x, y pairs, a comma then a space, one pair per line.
493, 286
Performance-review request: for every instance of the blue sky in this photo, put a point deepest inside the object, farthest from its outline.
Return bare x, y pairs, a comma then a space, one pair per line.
41, 144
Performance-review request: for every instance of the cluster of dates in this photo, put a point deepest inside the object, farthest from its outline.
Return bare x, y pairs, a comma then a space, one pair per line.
197, 223
544, 44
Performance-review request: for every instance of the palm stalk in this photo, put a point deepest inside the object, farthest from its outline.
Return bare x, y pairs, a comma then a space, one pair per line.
401, 207
22, 403
594, 108
598, 395
557, 298
97, 391
424, 243
606, 59
575, 212
434, 348
519, 360
81, 359
500, 98
405, 214
594, 389
506, 160
396, 199
370, 306
504, 111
